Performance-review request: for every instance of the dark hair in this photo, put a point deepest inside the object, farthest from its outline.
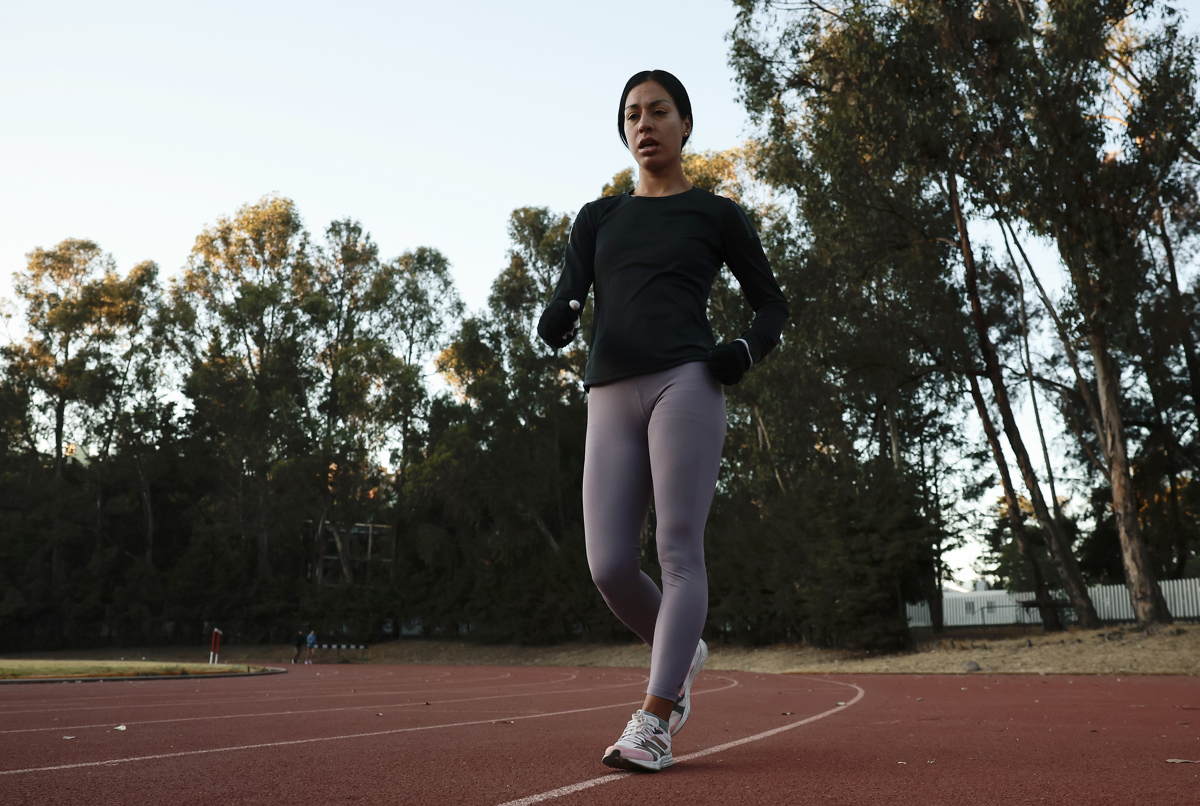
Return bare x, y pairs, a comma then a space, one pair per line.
672, 85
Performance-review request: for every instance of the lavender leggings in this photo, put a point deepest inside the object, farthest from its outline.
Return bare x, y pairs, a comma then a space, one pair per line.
657, 434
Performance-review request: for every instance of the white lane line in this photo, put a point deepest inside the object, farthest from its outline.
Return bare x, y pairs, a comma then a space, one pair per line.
620, 776
114, 761
301, 711
307, 692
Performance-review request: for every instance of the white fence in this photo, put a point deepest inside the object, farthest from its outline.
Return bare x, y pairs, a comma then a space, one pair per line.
984, 608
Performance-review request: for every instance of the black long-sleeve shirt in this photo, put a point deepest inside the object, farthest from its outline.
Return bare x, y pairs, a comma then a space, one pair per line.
653, 260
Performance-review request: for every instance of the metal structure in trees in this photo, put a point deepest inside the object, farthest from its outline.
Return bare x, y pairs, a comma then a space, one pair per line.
358, 554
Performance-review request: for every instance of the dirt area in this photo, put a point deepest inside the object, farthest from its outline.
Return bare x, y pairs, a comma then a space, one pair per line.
1116, 650
1175, 650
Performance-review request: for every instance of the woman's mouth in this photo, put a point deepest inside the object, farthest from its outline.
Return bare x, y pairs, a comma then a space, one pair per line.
647, 144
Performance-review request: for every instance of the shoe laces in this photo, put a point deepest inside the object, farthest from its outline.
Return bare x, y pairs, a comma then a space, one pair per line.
640, 724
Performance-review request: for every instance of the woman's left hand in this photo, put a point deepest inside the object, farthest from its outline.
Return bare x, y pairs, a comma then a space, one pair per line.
729, 362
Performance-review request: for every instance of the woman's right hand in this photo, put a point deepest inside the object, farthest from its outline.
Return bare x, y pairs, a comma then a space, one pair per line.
559, 322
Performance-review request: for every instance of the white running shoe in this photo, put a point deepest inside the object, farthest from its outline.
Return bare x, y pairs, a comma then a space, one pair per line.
645, 745
683, 705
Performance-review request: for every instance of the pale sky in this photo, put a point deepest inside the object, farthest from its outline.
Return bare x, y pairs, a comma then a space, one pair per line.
138, 124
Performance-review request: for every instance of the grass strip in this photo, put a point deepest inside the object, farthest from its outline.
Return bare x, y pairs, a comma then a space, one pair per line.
32, 669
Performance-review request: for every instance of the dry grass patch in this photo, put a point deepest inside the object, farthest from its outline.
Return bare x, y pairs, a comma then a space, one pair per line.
1175, 650
1116, 650
33, 668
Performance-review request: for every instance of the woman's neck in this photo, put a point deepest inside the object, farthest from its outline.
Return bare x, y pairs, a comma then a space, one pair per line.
664, 183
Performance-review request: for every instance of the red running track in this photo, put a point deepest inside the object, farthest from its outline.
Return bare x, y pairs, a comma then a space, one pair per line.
433, 735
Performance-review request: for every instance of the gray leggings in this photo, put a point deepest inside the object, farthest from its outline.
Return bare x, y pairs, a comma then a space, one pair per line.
662, 434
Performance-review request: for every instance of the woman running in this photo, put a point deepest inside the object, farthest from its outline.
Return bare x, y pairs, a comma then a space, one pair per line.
656, 407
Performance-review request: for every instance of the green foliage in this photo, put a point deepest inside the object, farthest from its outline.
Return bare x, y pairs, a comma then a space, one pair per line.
1077, 120
622, 182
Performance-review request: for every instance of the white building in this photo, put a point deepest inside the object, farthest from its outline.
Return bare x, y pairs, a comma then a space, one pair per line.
981, 607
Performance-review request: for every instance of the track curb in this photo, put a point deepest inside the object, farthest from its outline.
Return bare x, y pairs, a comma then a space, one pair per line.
266, 670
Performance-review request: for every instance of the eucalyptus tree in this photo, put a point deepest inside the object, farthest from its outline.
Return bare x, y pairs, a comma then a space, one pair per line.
886, 96
84, 324
505, 454
1076, 118
240, 326
527, 392
373, 324
340, 298
843, 407
82, 320
1095, 130
418, 317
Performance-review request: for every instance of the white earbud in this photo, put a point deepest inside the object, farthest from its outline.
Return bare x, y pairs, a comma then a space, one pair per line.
575, 307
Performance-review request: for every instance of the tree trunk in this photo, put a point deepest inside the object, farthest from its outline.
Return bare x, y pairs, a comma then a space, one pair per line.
318, 552
557, 480
148, 510
262, 532
1016, 521
1085, 392
99, 527
1060, 551
1182, 322
347, 574
1182, 550
881, 427
1148, 604
895, 437
545, 530
264, 555
937, 613
932, 500
764, 441
1152, 365
60, 413
1037, 415
58, 569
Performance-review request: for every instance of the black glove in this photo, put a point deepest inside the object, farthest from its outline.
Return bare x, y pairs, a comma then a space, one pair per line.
729, 362
559, 322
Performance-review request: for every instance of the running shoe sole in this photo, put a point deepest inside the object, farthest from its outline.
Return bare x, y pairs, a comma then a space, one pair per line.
683, 706
615, 760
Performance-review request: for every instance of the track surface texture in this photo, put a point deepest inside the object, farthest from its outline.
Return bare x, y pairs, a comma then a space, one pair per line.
433, 735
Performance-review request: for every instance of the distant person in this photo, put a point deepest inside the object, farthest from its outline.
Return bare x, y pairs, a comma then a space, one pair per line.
656, 404
312, 646
298, 643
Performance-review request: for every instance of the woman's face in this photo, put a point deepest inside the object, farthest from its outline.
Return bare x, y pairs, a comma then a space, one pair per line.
653, 127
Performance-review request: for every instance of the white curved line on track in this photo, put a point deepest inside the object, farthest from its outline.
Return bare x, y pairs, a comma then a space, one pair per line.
620, 776
307, 692
157, 756
108, 725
